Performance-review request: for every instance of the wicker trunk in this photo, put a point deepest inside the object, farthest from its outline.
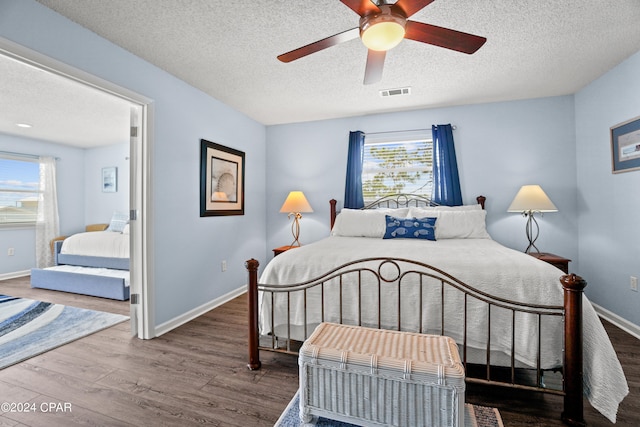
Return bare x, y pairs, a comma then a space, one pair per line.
375, 377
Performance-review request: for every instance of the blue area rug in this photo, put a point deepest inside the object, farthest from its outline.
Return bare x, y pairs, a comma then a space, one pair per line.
475, 416
29, 327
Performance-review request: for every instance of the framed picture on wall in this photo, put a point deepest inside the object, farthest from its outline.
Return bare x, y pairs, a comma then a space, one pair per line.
625, 146
110, 179
221, 180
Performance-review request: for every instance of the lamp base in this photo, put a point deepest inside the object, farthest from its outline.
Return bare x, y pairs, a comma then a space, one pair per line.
531, 221
295, 228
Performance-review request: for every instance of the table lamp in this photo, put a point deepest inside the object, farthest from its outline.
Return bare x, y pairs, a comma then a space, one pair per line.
529, 200
295, 203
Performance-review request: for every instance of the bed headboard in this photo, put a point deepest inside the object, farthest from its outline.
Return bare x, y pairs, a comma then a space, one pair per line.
396, 201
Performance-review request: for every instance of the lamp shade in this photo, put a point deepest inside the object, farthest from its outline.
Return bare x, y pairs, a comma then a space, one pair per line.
296, 202
532, 198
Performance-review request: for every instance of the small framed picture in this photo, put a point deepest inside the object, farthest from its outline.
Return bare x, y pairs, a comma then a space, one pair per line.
110, 179
221, 180
625, 146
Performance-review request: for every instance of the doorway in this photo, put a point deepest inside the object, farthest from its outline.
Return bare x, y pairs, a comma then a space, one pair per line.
139, 125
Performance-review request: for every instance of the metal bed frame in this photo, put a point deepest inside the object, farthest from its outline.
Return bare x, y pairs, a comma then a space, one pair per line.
395, 272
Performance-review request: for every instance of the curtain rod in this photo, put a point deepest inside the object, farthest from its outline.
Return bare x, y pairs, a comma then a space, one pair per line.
23, 155
407, 130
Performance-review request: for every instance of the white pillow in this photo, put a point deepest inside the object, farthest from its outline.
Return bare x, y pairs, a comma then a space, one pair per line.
118, 221
364, 223
422, 211
475, 207
126, 229
457, 224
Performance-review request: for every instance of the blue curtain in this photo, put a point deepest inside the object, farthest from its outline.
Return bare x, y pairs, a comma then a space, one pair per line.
446, 181
353, 197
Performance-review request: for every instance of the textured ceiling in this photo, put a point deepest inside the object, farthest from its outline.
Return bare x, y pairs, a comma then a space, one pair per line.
228, 49
60, 110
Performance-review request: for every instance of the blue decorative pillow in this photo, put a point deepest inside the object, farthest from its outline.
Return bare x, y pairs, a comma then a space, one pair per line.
410, 228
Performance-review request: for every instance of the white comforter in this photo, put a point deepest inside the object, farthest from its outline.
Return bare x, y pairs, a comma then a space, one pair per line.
108, 244
481, 263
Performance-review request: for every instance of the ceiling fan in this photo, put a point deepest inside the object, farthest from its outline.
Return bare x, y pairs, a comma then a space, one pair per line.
382, 26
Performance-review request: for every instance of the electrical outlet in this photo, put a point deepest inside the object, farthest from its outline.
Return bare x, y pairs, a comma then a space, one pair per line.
633, 283
11, 252
224, 265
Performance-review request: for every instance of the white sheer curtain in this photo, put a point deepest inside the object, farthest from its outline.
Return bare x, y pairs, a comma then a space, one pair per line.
47, 224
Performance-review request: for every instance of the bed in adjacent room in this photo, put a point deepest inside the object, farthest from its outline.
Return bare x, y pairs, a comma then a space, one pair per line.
92, 263
430, 269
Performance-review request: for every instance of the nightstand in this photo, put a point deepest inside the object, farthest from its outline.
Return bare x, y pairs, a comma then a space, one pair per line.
278, 251
555, 260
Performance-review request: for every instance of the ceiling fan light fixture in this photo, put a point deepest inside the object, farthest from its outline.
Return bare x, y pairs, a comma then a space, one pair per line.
383, 25
382, 32
383, 36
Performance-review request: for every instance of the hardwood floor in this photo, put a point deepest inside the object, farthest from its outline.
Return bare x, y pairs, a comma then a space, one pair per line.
21, 287
197, 375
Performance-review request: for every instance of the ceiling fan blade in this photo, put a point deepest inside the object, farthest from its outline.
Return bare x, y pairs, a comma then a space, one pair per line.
375, 64
443, 37
361, 7
409, 7
320, 45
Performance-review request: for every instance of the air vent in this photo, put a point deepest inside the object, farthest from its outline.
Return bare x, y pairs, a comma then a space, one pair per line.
395, 92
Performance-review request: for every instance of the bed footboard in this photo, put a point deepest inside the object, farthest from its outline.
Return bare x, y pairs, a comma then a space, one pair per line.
570, 312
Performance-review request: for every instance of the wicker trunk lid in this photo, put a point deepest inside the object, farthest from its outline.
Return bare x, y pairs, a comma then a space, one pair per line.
380, 377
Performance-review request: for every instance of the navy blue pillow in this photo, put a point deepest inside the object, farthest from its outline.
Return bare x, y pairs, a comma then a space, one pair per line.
410, 228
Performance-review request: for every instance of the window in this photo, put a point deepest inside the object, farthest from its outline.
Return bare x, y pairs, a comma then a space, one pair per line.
396, 166
19, 190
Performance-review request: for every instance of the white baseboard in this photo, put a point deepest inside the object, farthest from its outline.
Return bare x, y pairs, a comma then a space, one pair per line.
620, 322
13, 275
198, 311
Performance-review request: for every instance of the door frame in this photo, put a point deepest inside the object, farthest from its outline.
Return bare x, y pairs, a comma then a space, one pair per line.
142, 316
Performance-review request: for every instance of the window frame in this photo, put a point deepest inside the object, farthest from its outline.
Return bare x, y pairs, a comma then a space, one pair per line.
26, 159
399, 138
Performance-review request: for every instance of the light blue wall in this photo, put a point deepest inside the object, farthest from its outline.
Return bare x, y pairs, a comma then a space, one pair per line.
100, 206
608, 204
187, 250
499, 146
